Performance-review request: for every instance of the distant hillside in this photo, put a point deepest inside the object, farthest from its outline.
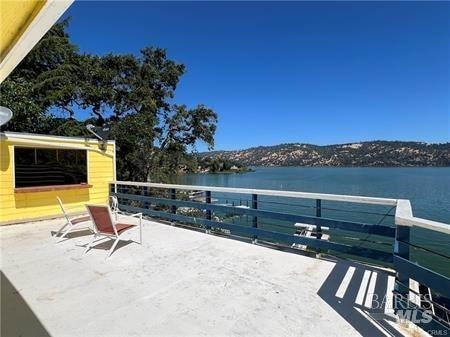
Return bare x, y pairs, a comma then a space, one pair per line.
374, 153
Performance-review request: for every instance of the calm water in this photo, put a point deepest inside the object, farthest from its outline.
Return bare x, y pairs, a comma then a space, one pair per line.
428, 189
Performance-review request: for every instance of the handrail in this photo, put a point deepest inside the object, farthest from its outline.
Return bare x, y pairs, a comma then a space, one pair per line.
278, 193
428, 224
321, 221
404, 217
403, 214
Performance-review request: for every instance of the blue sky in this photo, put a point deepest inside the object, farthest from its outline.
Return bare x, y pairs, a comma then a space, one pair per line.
310, 72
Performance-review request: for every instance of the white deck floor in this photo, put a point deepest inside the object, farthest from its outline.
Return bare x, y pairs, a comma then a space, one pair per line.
178, 283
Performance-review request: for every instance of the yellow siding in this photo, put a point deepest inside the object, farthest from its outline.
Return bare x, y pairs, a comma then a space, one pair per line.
15, 16
17, 207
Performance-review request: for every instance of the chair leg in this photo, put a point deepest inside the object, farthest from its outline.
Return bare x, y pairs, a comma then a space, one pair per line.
64, 234
113, 247
60, 230
90, 243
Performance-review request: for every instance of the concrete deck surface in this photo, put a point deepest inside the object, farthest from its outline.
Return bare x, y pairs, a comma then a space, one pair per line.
178, 283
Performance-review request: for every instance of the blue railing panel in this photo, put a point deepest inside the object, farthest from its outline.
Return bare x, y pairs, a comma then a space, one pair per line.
309, 220
427, 277
268, 235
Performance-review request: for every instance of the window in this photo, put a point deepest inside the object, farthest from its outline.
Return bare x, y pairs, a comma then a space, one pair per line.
49, 167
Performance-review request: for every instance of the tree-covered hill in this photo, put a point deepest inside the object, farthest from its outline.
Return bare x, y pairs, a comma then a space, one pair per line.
374, 153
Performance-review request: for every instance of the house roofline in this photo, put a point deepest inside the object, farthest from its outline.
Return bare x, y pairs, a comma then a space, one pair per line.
36, 136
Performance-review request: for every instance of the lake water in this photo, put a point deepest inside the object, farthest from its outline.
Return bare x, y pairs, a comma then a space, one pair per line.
428, 189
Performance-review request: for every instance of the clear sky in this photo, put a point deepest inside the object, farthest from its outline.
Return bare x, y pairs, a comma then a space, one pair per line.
310, 72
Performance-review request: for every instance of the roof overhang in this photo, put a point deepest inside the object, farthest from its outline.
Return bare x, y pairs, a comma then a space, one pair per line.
56, 142
22, 24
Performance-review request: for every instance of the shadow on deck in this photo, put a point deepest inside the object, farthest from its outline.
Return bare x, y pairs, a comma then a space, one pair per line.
362, 295
16, 316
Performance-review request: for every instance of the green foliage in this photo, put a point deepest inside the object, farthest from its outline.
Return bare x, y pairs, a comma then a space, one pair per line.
104, 83
67, 127
154, 82
185, 126
18, 96
52, 51
219, 164
134, 136
52, 68
133, 94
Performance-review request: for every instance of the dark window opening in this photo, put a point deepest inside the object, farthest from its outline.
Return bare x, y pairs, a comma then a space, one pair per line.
48, 167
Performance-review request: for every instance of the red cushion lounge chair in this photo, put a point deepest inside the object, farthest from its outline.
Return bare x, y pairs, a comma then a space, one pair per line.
106, 225
70, 224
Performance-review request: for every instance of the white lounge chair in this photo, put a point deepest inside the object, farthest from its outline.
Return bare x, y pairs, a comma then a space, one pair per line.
70, 224
106, 225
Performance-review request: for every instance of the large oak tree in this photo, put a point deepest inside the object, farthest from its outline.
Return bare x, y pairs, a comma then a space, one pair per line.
56, 83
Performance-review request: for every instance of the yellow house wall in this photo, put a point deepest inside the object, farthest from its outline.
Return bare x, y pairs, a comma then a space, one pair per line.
18, 207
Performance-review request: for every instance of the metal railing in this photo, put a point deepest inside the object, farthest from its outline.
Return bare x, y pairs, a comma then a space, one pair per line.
367, 231
438, 283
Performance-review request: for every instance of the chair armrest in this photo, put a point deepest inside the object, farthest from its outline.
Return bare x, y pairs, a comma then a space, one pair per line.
135, 215
126, 214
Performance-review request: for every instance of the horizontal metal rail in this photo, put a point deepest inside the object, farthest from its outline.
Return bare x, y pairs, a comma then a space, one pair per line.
437, 324
425, 276
277, 193
404, 217
310, 220
248, 231
407, 270
146, 202
403, 214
